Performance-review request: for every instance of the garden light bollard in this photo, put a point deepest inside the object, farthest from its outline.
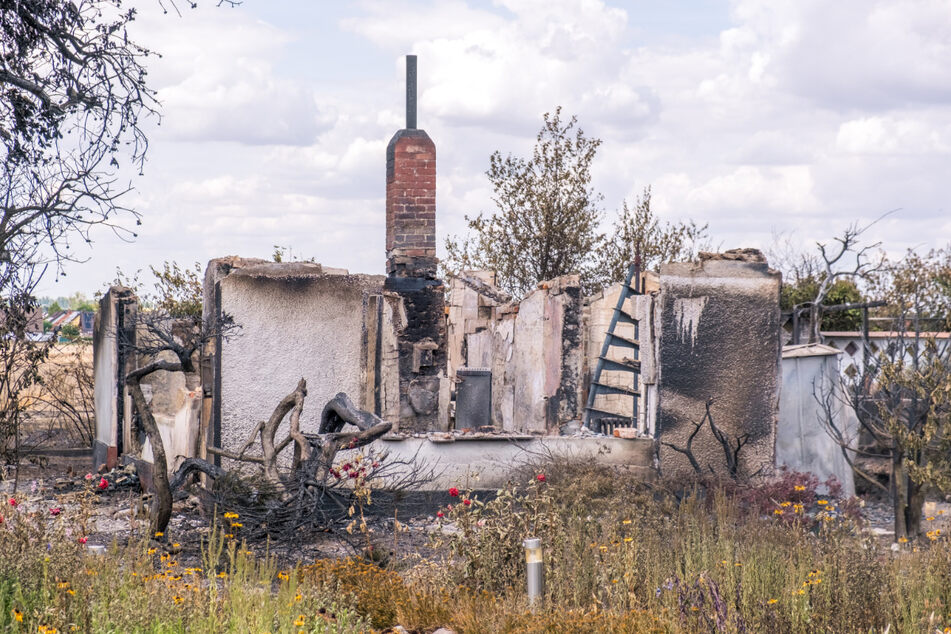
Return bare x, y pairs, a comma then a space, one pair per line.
535, 569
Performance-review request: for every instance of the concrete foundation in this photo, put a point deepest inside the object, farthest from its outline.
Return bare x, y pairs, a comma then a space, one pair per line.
488, 463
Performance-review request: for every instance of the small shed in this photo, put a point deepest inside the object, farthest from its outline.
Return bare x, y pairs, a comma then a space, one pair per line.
803, 443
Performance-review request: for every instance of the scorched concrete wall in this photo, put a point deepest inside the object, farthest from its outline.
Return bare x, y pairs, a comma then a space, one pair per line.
719, 339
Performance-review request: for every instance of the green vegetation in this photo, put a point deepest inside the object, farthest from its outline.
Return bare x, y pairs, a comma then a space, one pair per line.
621, 556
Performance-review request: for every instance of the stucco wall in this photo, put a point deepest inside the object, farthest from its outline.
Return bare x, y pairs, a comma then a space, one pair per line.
296, 320
719, 338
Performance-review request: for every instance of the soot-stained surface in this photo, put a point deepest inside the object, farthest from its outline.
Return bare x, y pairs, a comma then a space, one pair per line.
719, 340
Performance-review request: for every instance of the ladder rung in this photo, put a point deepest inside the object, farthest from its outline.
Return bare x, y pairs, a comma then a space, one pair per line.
624, 318
626, 365
600, 413
614, 389
618, 340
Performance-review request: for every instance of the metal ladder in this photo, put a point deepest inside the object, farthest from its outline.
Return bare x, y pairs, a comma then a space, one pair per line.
602, 420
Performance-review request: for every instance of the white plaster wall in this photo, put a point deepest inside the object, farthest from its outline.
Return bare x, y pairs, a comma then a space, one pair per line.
300, 325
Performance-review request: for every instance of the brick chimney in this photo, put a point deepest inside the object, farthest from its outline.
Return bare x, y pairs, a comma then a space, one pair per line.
411, 194
411, 268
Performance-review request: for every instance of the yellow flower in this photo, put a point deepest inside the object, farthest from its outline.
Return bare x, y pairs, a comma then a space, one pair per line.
797, 508
800, 591
229, 536
778, 512
283, 576
159, 534
799, 487
236, 525
17, 616
772, 601
62, 585
176, 545
785, 504
222, 574
628, 539
298, 597
71, 592
301, 620
822, 502
737, 564
151, 551
930, 519
626, 522
177, 599
603, 548
231, 516
902, 540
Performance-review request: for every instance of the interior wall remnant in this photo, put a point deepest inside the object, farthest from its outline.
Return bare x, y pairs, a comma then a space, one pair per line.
113, 340
534, 349
812, 390
294, 320
718, 338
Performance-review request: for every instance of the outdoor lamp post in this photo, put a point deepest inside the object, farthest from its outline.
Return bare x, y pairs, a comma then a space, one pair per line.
535, 569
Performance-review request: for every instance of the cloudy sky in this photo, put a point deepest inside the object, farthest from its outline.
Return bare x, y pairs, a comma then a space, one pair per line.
755, 116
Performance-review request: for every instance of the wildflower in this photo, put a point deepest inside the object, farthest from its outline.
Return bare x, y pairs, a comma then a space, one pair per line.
283, 576
55, 511
301, 619
467, 501
71, 592
603, 549
800, 591
453, 492
176, 545
902, 540
89, 476
82, 540
540, 477
797, 508
62, 585
930, 519
13, 502
229, 535
159, 534
822, 502
177, 599
237, 525
785, 504
625, 521
778, 512
298, 597
151, 551
103, 484
17, 615
440, 514
799, 487
376, 464
628, 539
772, 602
231, 516
222, 575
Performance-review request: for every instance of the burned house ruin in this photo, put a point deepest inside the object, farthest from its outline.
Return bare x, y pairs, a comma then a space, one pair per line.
405, 345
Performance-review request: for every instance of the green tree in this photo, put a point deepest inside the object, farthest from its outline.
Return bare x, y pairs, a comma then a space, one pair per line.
902, 396
548, 216
637, 227
842, 291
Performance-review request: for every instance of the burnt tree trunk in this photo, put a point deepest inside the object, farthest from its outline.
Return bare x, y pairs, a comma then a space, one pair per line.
161, 511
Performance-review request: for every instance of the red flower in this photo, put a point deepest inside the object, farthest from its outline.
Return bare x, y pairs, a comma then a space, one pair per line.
346, 466
81, 540
454, 492
376, 464
1, 519
56, 511
467, 501
440, 514
13, 502
103, 484
540, 477
354, 474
